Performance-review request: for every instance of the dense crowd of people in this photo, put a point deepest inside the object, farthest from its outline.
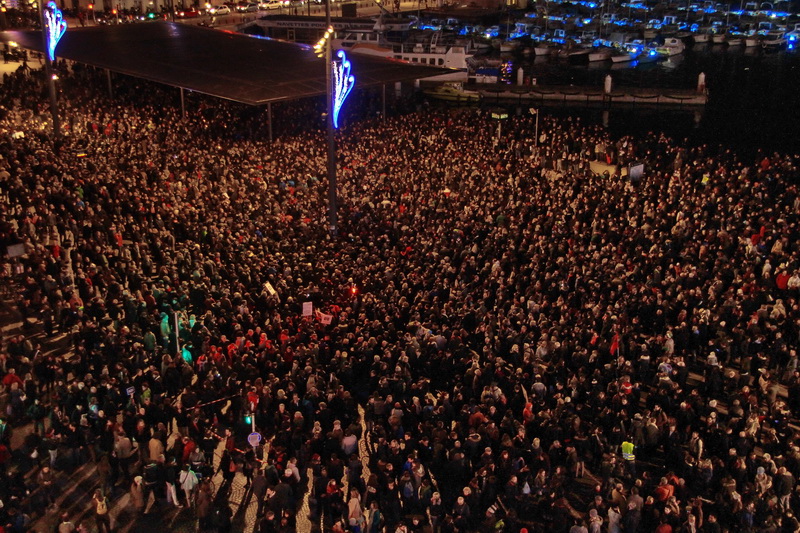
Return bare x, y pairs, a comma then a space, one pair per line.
496, 338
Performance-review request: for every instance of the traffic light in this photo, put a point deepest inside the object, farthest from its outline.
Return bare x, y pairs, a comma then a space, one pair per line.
248, 419
91, 6
113, 11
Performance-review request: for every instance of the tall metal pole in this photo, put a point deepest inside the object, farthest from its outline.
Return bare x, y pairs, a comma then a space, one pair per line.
269, 115
332, 219
383, 102
48, 72
177, 335
110, 85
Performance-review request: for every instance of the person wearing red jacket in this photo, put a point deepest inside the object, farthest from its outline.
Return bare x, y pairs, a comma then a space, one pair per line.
11, 378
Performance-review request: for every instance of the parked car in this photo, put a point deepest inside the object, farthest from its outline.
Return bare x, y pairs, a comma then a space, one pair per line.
220, 10
272, 4
188, 13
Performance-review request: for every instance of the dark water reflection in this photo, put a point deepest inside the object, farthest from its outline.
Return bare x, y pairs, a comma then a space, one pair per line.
754, 97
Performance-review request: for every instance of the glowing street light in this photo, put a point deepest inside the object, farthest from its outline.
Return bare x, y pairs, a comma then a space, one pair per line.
338, 84
53, 28
343, 83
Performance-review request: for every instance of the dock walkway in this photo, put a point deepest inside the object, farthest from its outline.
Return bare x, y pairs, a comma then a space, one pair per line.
589, 95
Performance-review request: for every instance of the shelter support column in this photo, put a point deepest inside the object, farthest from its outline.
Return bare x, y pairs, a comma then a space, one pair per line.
183, 104
269, 116
110, 86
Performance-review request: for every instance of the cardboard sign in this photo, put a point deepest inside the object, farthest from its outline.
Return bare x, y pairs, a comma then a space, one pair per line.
308, 308
270, 289
15, 250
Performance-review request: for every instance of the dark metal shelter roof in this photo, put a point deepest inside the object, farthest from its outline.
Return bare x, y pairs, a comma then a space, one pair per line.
220, 63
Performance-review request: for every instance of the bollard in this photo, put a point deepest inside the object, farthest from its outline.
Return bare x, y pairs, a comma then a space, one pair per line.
701, 82
520, 76
608, 84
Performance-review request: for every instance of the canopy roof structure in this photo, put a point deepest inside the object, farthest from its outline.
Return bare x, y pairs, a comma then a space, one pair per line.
219, 63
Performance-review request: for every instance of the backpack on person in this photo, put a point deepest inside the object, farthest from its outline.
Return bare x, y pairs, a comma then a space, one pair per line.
188, 480
102, 506
151, 475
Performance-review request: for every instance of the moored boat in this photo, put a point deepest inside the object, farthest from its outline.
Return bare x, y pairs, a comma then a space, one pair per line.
452, 92
600, 54
774, 40
629, 53
701, 37
734, 40
671, 47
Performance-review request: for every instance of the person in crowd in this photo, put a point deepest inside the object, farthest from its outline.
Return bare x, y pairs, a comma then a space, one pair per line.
511, 323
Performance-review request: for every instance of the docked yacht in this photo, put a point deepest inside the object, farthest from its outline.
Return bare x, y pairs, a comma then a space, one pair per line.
672, 46
774, 40
601, 53
626, 54
452, 92
752, 41
432, 53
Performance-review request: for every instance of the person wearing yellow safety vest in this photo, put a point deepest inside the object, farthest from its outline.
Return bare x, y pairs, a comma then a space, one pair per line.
629, 457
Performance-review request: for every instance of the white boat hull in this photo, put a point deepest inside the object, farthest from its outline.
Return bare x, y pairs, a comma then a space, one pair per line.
509, 46
718, 39
700, 37
778, 43
599, 56
623, 58
752, 42
647, 57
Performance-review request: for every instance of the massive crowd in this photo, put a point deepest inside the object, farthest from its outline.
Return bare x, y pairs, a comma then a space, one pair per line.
533, 346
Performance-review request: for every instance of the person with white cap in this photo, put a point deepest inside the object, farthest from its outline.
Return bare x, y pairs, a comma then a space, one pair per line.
137, 495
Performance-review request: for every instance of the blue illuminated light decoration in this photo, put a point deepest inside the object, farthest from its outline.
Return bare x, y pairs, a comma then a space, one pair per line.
343, 83
55, 26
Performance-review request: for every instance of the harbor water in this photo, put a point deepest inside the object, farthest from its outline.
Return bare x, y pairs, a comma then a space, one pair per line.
754, 96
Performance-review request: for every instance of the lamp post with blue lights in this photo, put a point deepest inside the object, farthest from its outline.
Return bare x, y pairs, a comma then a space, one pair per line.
53, 28
338, 84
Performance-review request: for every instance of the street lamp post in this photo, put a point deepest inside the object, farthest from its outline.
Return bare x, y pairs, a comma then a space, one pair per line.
499, 115
53, 28
338, 84
332, 216
534, 111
